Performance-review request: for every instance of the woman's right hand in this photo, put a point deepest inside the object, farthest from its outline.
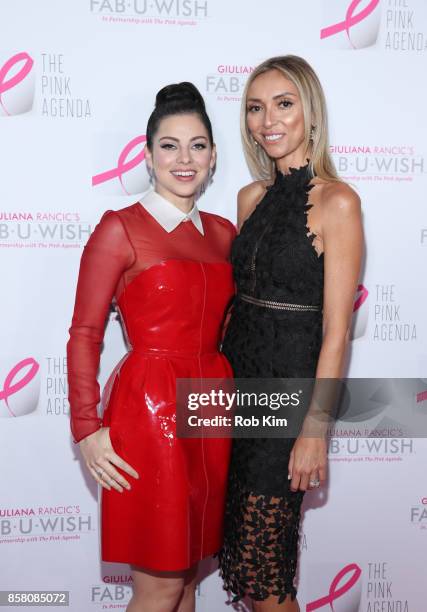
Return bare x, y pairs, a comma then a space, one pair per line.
100, 458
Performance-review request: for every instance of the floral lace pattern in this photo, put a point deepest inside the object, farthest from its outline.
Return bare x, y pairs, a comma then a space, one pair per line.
259, 557
273, 258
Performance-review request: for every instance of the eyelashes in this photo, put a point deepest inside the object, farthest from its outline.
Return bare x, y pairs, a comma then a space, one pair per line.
200, 146
255, 108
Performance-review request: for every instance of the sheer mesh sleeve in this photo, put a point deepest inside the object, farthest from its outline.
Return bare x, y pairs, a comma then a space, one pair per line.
107, 254
123, 244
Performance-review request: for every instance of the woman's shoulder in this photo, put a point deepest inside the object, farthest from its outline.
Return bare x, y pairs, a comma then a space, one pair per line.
248, 198
218, 221
337, 196
128, 211
254, 189
113, 224
119, 216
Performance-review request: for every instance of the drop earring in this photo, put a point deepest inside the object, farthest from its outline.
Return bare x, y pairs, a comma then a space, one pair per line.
312, 131
206, 183
151, 174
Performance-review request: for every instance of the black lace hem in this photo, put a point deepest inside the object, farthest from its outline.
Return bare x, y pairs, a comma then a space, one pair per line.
259, 555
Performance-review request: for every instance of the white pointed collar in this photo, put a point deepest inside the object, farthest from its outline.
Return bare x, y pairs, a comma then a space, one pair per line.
167, 214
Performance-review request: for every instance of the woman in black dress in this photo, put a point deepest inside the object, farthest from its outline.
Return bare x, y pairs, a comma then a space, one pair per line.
296, 264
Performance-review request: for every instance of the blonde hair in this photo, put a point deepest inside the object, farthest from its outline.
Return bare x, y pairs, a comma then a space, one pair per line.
302, 75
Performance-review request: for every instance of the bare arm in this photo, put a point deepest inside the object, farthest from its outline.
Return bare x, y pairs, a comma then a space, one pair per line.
247, 200
343, 245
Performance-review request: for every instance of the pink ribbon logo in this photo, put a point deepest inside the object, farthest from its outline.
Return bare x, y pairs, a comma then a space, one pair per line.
351, 19
123, 164
6, 84
10, 388
361, 298
335, 593
422, 396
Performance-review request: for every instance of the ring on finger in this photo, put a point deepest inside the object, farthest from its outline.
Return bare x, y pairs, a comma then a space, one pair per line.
315, 482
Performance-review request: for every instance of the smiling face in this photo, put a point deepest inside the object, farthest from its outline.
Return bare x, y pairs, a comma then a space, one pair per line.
275, 118
181, 157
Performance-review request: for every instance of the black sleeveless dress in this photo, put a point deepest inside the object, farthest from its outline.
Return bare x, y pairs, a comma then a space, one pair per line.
275, 330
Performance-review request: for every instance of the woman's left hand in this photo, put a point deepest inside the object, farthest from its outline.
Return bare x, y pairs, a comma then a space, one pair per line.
308, 462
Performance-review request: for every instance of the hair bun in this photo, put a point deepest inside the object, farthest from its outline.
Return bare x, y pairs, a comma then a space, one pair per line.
177, 99
178, 92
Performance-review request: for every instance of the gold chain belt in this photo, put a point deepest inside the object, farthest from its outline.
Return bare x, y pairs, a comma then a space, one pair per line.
276, 305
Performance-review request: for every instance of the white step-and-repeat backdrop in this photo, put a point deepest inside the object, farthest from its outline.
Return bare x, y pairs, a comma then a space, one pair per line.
77, 83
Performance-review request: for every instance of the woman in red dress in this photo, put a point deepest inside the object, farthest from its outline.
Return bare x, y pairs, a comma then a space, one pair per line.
165, 266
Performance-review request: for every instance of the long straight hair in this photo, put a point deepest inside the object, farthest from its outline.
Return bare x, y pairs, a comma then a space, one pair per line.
302, 75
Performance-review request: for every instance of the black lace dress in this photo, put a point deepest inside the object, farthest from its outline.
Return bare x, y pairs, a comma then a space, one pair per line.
276, 267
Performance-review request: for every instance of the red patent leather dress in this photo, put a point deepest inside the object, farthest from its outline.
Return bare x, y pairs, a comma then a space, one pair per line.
172, 290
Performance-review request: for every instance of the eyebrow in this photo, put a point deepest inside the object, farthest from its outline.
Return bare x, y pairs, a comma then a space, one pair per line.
286, 93
177, 139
